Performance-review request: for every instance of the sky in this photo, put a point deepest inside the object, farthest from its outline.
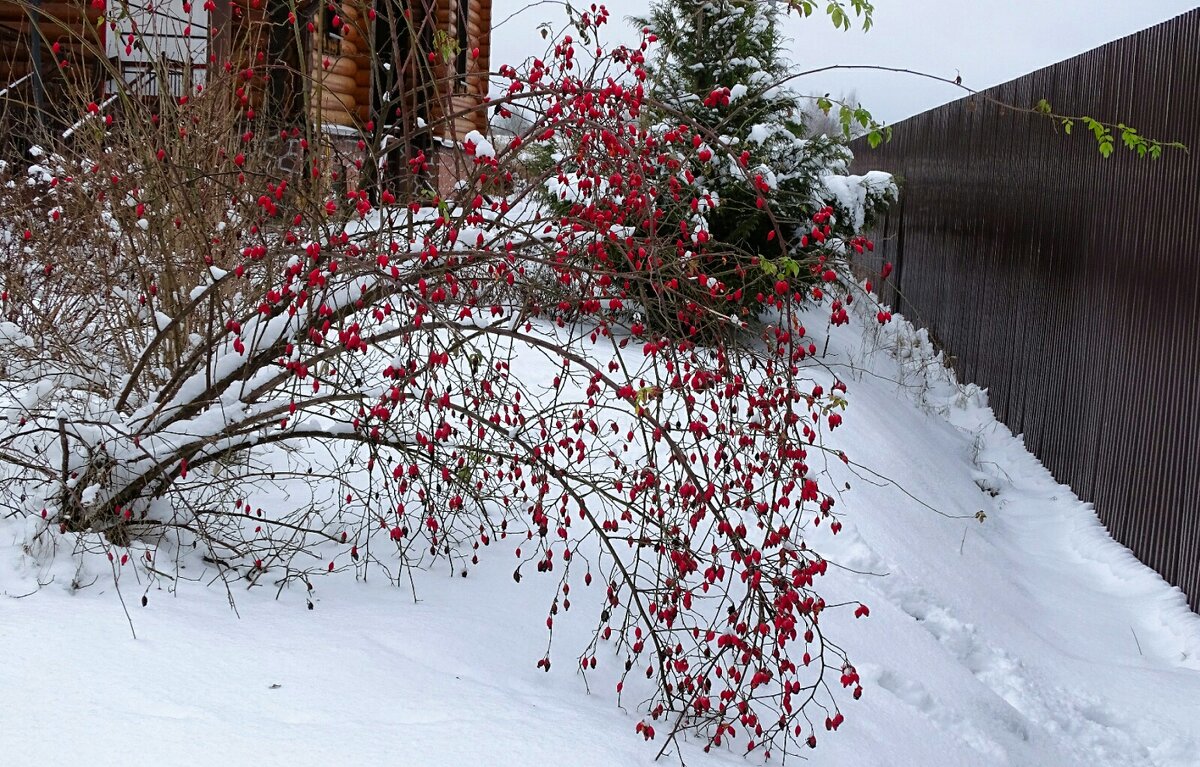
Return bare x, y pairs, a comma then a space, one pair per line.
985, 41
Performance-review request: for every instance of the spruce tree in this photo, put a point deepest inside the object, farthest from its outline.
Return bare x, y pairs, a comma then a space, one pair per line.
721, 68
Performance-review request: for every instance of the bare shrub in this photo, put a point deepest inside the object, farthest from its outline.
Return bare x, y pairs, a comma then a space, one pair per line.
188, 324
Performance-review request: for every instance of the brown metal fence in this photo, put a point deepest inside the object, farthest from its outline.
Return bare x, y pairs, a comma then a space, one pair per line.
1069, 285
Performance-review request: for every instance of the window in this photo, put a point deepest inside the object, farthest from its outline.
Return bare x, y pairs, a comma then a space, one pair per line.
328, 13
464, 42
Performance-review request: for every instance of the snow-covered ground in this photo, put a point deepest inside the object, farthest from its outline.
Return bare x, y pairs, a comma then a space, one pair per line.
1022, 635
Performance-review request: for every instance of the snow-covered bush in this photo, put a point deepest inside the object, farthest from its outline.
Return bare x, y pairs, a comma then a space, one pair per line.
211, 363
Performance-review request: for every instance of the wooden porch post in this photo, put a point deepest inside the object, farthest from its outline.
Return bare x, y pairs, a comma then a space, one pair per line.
35, 59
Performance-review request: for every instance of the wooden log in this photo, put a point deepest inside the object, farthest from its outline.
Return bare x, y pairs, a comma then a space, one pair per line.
477, 85
469, 109
75, 54
363, 62
10, 73
477, 29
65, 11
345, 36
352, 15
337, 101
352, 36
338, 65
477, 114
11, 70
446, 14
340, 84
482, 9
333, 116
52, 29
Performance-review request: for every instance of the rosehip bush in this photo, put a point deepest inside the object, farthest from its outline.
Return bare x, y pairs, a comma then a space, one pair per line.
192, 334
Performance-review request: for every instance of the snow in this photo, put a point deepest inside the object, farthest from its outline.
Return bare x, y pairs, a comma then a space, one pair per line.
759, 133
1006, 628
569, 188
852, 192
348, 131
10, 333
482, 147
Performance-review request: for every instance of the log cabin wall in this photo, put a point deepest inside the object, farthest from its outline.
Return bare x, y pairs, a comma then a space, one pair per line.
462, 77
339, 62
343, 66
46, 51
339, 70
399, 64
327, 62
69, 24
458, 104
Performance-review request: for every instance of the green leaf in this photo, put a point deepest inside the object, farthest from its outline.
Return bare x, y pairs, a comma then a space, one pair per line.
1098, 130
1106, 149
647, 393
846, 119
